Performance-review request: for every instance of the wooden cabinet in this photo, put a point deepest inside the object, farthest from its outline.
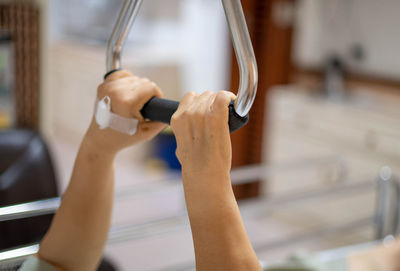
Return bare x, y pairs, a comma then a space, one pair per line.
272, 45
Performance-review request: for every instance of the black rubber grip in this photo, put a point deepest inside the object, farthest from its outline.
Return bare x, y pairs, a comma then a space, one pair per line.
162, 110
110, 72
235, 120
159, 109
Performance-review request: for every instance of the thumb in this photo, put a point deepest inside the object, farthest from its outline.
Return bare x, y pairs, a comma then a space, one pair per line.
148, 130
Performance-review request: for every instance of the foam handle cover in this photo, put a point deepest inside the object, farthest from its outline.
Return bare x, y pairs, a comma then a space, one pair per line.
158, 109
161, 110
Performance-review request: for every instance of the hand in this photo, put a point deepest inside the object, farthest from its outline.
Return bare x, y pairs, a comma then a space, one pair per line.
201, 129
128, 94
204, 149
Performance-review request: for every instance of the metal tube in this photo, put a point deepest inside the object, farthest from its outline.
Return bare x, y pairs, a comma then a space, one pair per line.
396, 218
244, 54
18, 254
121, 30
49, 206
29, 209
166, 225
240, 39
240, 175
382, 214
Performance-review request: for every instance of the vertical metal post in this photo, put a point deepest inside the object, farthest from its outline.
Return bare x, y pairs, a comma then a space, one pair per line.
383, 204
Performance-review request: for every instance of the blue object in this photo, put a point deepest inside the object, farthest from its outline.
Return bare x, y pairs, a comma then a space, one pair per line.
165, 147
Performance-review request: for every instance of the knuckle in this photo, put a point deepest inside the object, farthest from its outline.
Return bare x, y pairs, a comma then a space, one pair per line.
134, 79
186, 114
221, 95
221, 98
191, 94
175, 120
210, 114
156, 90
197, 115
145, 79
101, 90
105, 91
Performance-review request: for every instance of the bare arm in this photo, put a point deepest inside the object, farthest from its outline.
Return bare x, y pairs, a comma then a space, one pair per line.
204, 150
76, 238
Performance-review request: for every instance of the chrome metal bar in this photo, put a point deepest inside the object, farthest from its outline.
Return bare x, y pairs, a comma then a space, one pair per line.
49, 206
18, 253
340, 253
29, 209
396, 220
244, 54
171, 224
382, 217
248, 207
121, 30
240, 39
241, 175
117, 234
314, 234
248, 174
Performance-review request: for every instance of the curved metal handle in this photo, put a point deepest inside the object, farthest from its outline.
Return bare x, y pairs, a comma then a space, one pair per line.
121, 30
244, 54
240, 39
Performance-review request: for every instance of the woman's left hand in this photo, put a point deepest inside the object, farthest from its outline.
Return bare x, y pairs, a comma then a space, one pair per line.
128, 94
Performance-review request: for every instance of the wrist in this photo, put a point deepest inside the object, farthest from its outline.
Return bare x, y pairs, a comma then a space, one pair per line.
206, 190
100, 141
205, 178
94, 148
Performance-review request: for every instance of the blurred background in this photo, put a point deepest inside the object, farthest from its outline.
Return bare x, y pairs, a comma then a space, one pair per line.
314, 170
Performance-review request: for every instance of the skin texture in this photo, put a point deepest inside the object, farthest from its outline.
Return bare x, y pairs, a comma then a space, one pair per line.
204, 150
380, 258
76, 238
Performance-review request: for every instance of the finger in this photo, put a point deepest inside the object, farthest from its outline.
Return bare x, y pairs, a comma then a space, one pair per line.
136, 83
139, 96
203, 103
146, 83
222, 101
187, 100
144, 93
211, 102
159, 93
150, 129
118, 75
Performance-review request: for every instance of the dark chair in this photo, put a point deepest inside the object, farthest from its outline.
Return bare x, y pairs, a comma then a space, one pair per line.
26, 174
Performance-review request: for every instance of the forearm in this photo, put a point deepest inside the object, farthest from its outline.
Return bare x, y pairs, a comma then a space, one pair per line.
219, 235
80, 227
76, 238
